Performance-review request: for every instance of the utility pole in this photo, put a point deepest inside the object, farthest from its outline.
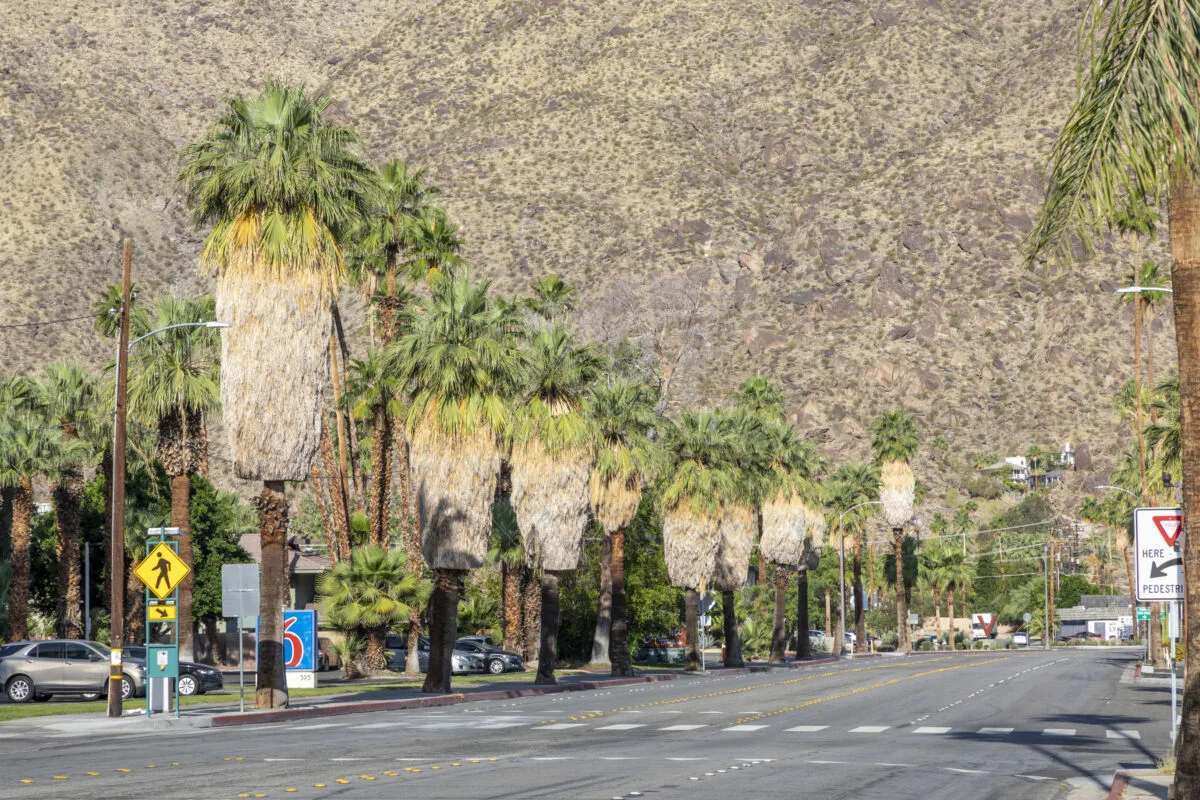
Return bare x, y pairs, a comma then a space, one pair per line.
116, 572
1053, 587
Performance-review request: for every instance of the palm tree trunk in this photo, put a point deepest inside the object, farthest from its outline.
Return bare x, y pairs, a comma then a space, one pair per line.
343, 452
68, 497
778, 627
548, 649
901, 606
510, 607
828, 614
18, 592
733, 639
803, 645
937, 609
214, 643
860, 619
135, 603
410, 533
950, 609
443, 629
618, 648
338, 534
375, 659
692, 623
181, 492
273, 516
532, 596
381, 479
600, 640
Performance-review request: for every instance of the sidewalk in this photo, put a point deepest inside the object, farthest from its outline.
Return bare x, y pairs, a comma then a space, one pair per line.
351, 702
1140, 786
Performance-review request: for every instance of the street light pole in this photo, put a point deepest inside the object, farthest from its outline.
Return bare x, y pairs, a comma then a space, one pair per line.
1046, 597
842, 572
116, 572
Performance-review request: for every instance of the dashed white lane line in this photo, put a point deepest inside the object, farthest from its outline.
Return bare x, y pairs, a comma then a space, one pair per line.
621, 727
713, 712
688, 758
552, 758
1058, 732
889, 764
1035, 777
806, 729
826, 762
745, 728
931, 730
870, 729
995, 730
322, 725
559, 726
682, 727
967, 771
1122, 735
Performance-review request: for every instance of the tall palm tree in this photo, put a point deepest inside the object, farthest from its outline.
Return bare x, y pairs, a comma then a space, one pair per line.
553, 299
434, 247
760, 397
623, 420
28, 448
174, 385
371, 593
853, 485
1149, 277
1163, 435
894, 438
551, 466
458, 355
506, 549
66, 395
280, 189
371, 391
1132, 131
695, 482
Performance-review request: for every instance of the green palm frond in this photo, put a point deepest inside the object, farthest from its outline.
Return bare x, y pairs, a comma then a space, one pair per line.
1134, 118
760, 396
558, 377
176, 370
623, 419
553, 298
894, 436
372, 590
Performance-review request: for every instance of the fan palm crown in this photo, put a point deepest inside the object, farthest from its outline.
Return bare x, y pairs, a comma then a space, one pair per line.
622, 415
761, 397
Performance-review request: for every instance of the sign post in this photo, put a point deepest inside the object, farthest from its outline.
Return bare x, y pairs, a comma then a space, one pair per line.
162, 571
239, 599
1158, 539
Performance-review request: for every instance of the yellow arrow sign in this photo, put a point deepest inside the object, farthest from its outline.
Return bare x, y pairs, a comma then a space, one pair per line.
161, 613
162, 570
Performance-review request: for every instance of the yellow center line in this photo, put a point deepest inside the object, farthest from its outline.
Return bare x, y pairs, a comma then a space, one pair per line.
862, 689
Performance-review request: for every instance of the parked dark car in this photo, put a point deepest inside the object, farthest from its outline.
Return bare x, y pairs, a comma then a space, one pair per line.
496, 660
193, 678
461, 662
39, 670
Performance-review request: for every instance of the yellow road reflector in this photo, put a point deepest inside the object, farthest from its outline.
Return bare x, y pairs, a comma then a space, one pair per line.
291, 789
367, 777
318, 786
162, 570
60, 777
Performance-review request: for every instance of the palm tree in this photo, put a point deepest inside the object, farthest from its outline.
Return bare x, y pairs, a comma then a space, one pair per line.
371, 593
551, 467
371, 391
853, 485
281, 188
696, 481
174, 385
894, 438
553, 299
506, 549
1164, 438
623, 420
65, 395
434, 247
760, 397
1132, 131
457, 353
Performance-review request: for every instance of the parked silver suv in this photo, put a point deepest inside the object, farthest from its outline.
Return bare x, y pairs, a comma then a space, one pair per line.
40, 670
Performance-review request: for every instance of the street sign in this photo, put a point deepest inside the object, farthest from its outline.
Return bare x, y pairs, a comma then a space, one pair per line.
162, 570
1158, 542
161, 612
1143, 613
706, 603
704, 620
300, 640
239, 590
1027, 616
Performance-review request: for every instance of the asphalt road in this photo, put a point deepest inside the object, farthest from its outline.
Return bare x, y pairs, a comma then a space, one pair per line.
996, 725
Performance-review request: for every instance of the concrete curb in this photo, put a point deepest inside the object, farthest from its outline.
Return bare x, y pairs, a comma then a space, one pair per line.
1120, 781
367, 706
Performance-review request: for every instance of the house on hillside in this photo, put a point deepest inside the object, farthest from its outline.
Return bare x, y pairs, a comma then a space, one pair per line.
1018, 469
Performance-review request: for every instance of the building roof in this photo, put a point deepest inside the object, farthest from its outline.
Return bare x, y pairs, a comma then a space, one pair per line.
299, 562
1097, 607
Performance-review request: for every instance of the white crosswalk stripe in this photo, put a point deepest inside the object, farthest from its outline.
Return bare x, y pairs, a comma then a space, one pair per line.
560, 726
682, 727
806, 729
870, 729
995, 730
1058, 732
745, 728
620, 727
931, 730
1122, 735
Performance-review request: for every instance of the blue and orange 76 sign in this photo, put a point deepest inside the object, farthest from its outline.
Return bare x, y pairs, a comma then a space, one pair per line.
300, 640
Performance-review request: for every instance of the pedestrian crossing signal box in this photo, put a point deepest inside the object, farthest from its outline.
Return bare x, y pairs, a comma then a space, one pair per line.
162, 661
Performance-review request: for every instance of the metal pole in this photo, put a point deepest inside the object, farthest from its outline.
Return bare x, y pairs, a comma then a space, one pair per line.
841, 642
1173, 626
87, 590
1046, 598
116, 572
241, 667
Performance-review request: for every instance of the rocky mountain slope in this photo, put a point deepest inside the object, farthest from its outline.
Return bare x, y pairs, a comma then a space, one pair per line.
830, 192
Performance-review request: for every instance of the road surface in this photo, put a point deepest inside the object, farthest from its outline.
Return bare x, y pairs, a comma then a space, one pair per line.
1010, 724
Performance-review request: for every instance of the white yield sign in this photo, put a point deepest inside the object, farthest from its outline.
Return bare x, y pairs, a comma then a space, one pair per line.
1158, 541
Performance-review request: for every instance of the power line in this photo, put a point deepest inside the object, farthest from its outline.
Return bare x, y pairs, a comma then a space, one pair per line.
52, 321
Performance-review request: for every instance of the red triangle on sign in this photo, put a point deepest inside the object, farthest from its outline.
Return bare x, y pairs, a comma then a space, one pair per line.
1165, 522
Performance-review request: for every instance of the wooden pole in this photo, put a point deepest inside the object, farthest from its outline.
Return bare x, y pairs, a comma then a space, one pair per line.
116, 572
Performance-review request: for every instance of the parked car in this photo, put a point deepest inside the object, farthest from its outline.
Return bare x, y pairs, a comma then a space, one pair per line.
39, 670
495, 660
1021, 639
461, 662
327, 658
193, 678
851, 637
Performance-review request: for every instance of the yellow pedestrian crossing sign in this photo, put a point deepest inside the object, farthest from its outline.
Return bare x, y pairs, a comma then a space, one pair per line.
160, 612
162, 570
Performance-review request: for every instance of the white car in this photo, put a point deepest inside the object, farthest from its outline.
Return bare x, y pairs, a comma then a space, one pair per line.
1021, 638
